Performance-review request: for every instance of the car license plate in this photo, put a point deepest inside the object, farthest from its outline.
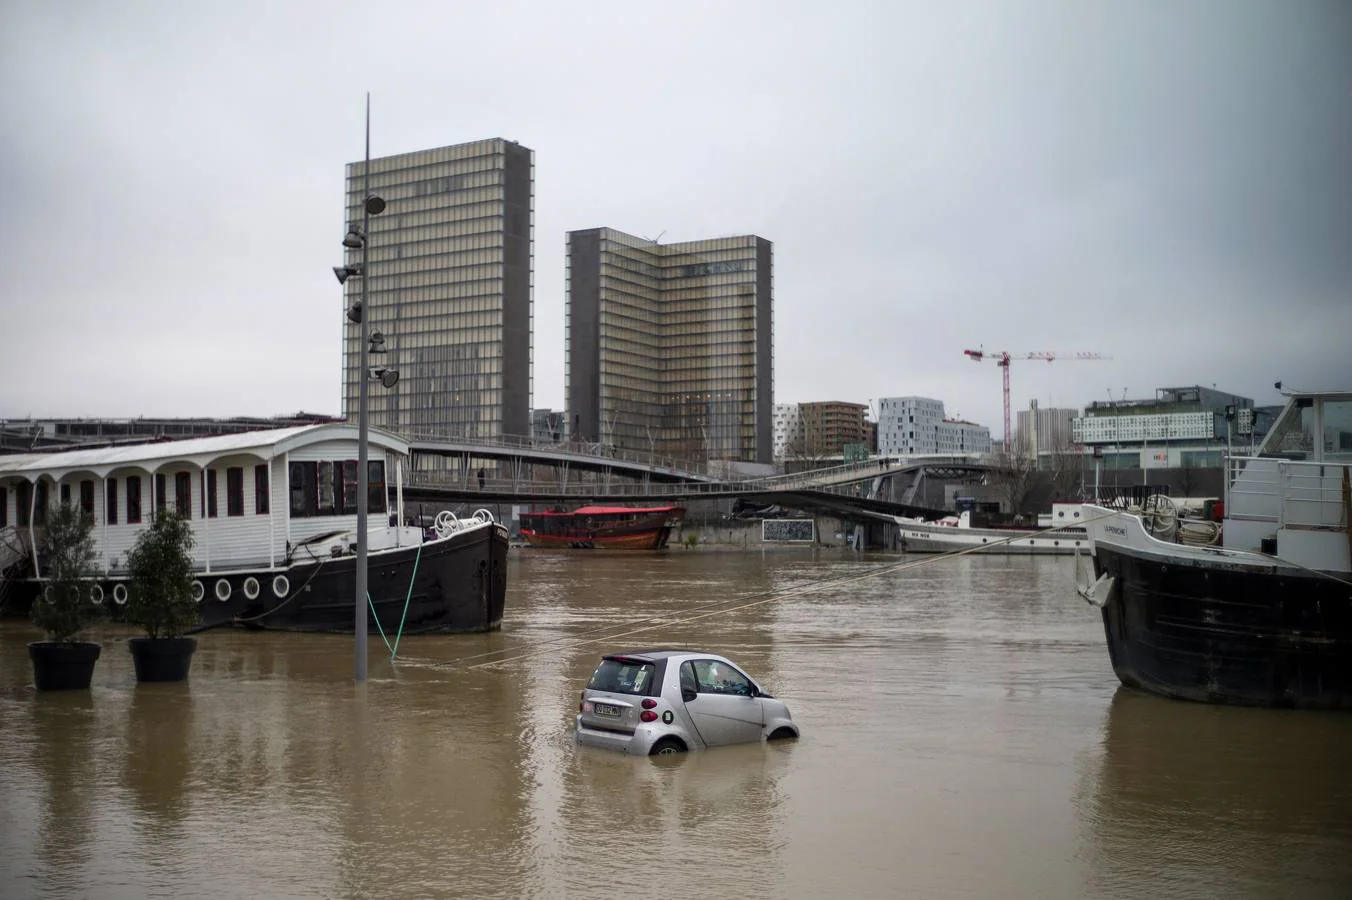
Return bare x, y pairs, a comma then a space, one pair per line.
607, 709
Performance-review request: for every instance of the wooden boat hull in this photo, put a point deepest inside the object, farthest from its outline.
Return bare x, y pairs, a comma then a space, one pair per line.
618, 528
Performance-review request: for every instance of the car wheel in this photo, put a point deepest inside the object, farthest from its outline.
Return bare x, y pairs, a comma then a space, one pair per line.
783, 734
667, 746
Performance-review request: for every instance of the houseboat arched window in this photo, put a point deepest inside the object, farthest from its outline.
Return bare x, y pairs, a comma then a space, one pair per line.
87, 496
133, 499
304, 488
183, 494
110, 488
262, 503
234, 491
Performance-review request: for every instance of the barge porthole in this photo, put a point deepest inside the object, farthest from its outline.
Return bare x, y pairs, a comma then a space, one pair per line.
120, 594
251, 588
198, 592
96, 595
281, 586
222, 590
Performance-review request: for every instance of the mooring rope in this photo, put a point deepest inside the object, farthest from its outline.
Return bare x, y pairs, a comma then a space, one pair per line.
648, 624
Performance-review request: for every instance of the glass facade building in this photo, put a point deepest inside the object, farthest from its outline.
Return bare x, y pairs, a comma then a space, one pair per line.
450, 269
669, 348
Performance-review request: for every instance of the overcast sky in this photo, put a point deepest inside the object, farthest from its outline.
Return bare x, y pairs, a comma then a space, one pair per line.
1165, 183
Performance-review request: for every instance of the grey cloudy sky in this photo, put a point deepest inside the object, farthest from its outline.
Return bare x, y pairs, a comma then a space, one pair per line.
1165, 183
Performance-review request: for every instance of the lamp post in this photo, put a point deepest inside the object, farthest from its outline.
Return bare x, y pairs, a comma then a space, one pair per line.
360, 312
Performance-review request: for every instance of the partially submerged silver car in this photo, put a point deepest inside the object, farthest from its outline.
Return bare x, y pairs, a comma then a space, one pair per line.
670, 701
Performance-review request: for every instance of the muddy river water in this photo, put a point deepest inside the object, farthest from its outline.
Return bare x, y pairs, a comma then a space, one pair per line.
963, 736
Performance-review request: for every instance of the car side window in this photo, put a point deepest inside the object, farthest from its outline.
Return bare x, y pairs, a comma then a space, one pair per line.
688, 678
716, 677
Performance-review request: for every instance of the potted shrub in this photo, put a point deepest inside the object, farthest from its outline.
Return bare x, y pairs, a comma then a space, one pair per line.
160, 598
65, 605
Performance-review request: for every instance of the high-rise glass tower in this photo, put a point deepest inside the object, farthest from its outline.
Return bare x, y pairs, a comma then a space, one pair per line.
669, 347
451, 289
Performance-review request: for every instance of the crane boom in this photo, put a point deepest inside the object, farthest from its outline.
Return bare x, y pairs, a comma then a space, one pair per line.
1002, 359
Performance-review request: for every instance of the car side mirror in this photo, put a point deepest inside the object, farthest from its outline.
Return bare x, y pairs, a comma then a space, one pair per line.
688, 695
753, 691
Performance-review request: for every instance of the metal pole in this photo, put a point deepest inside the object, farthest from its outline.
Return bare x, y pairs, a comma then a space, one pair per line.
363, 485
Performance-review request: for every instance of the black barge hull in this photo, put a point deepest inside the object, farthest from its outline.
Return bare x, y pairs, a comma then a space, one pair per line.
457, 584
1228, 633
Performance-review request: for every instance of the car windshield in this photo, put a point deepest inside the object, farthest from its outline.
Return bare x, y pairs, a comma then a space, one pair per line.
622, 676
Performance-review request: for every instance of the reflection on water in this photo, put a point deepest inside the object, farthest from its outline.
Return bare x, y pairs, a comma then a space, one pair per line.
963, 736
1222, 801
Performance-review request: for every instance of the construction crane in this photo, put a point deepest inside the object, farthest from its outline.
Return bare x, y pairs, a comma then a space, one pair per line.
1002, 359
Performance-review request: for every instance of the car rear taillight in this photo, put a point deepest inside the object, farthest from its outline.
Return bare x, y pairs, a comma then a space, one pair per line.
648, 703
648, 715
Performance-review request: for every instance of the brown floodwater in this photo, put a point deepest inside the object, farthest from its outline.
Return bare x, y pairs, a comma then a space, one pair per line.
963, 736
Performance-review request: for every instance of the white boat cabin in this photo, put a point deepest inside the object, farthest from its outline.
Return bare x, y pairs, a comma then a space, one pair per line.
1292, 499
251, 497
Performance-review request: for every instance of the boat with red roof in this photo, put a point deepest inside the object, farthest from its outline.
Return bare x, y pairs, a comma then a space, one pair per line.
588, 527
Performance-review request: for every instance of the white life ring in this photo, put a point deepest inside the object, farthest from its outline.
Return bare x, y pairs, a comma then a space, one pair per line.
198, 592
281, 586
96, 595
251, 588
222, 590
47, 593
120, 594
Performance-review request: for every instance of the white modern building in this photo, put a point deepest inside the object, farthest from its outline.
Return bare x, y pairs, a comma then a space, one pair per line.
909, 426
788, 426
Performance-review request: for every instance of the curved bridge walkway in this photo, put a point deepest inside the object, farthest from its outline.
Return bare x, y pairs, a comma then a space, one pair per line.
509, 471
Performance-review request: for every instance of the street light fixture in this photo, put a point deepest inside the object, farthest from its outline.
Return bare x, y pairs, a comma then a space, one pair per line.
356, 239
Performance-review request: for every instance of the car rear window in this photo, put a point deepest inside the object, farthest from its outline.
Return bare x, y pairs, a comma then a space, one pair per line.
622, 676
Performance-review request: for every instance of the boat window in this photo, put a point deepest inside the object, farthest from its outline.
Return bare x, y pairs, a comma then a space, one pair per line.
110, 490
87, 497
234, 491
65, 495
40, 504
304, 489
183, 494
616, 676
4, 507
375, 483
262, 505
1292, 436
349, 487
1337, 430
211, 493
23, 500
133, 499
326, 488
161, 493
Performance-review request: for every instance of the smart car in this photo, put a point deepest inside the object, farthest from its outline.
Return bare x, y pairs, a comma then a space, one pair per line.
655, 702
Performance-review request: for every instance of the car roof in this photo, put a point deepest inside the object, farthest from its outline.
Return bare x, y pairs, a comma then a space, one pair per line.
659, 653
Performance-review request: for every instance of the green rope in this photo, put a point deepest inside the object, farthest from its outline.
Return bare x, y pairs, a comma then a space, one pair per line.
394, 650
375, 616
411, 580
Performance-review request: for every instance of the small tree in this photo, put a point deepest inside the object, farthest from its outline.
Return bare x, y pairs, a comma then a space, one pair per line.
161, 577
65, 606
1012, 476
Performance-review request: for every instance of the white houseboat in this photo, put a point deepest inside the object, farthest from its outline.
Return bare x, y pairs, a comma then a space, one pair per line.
274, 518
1060, 533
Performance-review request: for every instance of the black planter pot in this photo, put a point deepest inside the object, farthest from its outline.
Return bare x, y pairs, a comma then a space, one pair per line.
162, 659
63, 667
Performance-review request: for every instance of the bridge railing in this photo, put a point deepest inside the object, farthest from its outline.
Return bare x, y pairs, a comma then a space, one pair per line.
829, 479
